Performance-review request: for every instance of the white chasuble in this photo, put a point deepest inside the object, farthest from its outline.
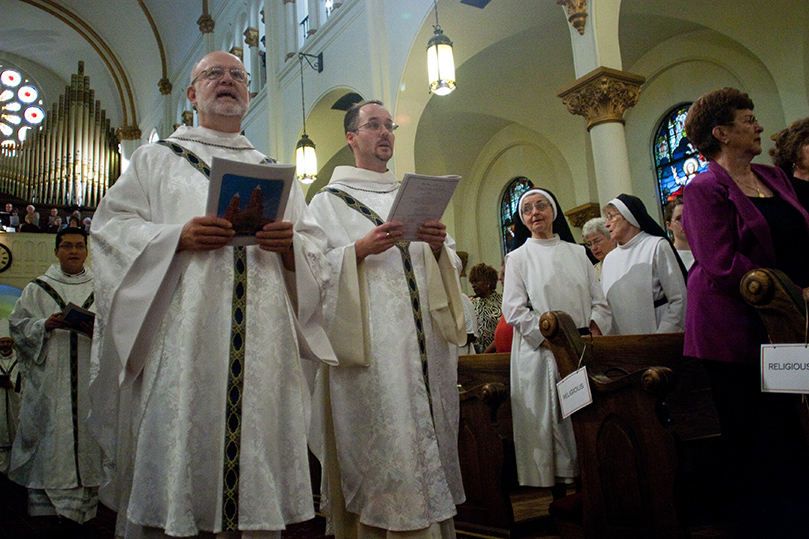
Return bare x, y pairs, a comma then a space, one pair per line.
392, 425
209, 426
53, 448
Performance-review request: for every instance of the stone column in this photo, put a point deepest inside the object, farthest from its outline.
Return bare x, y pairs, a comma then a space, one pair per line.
602, 96
206, 27
129, 137
165, 90
251, 40
290, 29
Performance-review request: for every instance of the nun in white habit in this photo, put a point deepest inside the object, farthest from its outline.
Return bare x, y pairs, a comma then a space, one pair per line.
643, 278
549, 272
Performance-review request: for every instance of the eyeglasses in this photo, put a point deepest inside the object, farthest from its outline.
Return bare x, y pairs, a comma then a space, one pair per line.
538, 206
68, 246
594, 242
375, 126
612, 216
749, 120
215, 73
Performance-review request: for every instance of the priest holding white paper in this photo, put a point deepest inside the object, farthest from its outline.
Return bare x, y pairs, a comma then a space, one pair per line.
209, 424
385, 420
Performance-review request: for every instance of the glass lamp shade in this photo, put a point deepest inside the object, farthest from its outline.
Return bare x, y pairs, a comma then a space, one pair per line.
305, 160
440, 64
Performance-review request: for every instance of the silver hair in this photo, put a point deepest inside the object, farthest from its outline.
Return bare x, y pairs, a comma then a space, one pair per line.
596, 224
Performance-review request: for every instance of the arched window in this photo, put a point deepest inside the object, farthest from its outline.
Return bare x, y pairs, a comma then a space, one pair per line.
21, 108
508, 209
676, 159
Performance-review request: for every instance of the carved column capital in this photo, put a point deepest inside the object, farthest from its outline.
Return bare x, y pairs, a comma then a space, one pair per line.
165, 86
602, 96
128, 132
251, 36
576, 13
206, 24
237, 51
188, 118
581, 214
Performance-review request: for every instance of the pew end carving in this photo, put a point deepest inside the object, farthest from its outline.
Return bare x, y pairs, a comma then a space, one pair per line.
782, 309
648, 401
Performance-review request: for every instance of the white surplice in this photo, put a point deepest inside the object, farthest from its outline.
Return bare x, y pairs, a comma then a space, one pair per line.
636, 275
545, 275
9, 407
164, 330
399, 470
43, 454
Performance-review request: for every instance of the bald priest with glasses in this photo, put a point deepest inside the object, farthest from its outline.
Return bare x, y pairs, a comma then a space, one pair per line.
200, 396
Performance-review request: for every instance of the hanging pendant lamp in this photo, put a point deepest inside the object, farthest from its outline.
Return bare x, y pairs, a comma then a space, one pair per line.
305, 157
440, 64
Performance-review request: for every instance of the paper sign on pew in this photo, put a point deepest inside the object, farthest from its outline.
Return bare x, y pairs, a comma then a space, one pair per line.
574, 392
784, 368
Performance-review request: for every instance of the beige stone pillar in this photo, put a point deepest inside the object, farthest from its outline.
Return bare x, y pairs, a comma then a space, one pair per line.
602, 96
206, 27
251, 40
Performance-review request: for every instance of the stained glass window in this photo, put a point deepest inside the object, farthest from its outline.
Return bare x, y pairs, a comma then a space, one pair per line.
21, 107
676, 159
508, 208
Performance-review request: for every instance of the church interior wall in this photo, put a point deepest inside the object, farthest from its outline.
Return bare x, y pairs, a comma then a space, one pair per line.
680, 70
511, 59
514, 151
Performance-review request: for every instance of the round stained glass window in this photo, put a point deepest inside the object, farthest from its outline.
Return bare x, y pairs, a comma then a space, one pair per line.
21, 107
11, 78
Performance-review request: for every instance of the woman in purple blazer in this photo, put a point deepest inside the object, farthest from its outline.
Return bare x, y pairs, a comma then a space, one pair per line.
739, 216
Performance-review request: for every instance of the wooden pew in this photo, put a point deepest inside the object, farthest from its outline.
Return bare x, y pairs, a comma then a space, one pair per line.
486, 445
781, 308
628, 440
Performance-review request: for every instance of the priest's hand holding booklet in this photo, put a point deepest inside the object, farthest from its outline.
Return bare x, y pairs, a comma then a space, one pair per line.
421, 199
250, 197
246, 204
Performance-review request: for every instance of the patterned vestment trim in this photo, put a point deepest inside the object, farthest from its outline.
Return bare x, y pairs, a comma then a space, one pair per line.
233, 399
74, 369
410, 277
233, 415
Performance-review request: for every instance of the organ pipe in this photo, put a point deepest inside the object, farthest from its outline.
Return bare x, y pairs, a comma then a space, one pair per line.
72, 159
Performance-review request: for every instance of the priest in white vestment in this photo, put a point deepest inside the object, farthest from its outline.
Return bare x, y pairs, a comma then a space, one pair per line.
209, 425
548, 273
388, 413
9, 394
643, 278
54, 453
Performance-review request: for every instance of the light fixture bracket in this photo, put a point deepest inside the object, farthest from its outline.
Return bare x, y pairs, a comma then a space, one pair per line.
317, 64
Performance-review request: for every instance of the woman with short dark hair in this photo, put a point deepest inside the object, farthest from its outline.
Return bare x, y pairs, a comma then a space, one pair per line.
487, 301
791, 154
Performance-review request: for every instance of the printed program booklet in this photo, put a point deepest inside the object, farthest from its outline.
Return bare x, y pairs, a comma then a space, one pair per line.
421, 198
75, 315
248, 195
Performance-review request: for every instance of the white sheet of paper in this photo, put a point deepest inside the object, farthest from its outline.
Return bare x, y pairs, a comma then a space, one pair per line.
784, 368
421, 198
574, 392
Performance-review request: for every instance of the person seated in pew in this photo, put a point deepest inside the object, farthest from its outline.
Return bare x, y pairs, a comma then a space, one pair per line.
740, 216
643, 278
549, 272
